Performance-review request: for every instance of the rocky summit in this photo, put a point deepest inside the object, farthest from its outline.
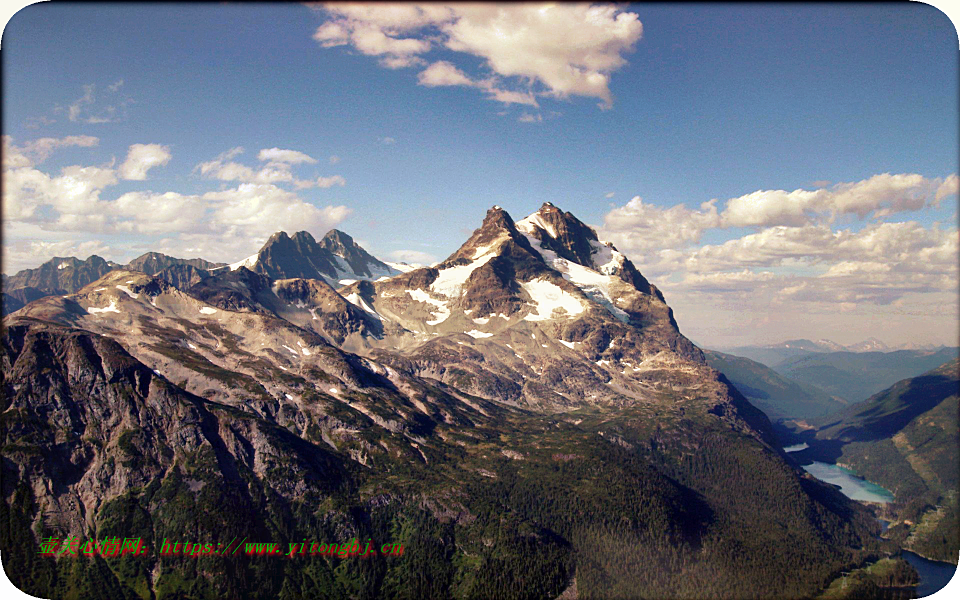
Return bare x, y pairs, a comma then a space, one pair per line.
525, 417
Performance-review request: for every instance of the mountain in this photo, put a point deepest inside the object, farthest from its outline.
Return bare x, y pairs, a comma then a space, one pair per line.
336, 259
58, 273
152, 263
525, 418
868, 345
905, 438
183, 275
774, 394
854, 376
9, 304
20, 297
772, 355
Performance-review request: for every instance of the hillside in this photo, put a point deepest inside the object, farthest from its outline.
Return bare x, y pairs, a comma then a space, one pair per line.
769, 391
905, 438
855, 376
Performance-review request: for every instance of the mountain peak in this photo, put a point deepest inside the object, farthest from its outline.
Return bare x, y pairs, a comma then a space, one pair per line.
497, 227
561, 232
335, 235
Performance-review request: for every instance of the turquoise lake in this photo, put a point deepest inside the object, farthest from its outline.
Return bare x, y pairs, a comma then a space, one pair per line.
851, 485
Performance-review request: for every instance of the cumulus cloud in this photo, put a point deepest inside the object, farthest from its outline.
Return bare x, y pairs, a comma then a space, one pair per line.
882, 194
641, 227
74, 201
39, 150
143, 157
265, 208
557, 50
796, 264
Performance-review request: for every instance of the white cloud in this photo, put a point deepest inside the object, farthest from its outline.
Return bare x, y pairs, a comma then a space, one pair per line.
949, 187
265, 208
560, 50
798, 265
37, 203
28, 254
609, 195
291, 157
326, 182
334, 159
882, 194
387, 141
143, 157
642, 227
87, 109
443, 73
37, 151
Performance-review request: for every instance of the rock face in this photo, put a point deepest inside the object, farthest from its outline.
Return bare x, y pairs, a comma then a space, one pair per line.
152, 263
68, 274
526, 393
334, 258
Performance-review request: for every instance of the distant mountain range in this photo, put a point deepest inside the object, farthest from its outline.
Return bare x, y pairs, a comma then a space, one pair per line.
335, 259
772, 355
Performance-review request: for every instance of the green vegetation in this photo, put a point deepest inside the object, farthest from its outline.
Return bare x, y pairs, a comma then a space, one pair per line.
884, 579
906, 439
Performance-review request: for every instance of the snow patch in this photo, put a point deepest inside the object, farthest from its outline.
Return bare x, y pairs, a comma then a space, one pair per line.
478, 334
360, 303
99, 289
334, 391
289, 397
450, 280
63, 265
567, 344
347, 281
549, 297
529, 224
124, 288
294, 352
247, 262
207, 310
112, 308
442, 311
482, 321
594, 283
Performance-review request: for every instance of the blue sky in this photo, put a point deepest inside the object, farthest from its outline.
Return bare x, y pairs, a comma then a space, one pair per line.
706, 102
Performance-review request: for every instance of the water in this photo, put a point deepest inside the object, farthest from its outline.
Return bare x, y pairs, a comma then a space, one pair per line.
934, 575
796, 447
852, 486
